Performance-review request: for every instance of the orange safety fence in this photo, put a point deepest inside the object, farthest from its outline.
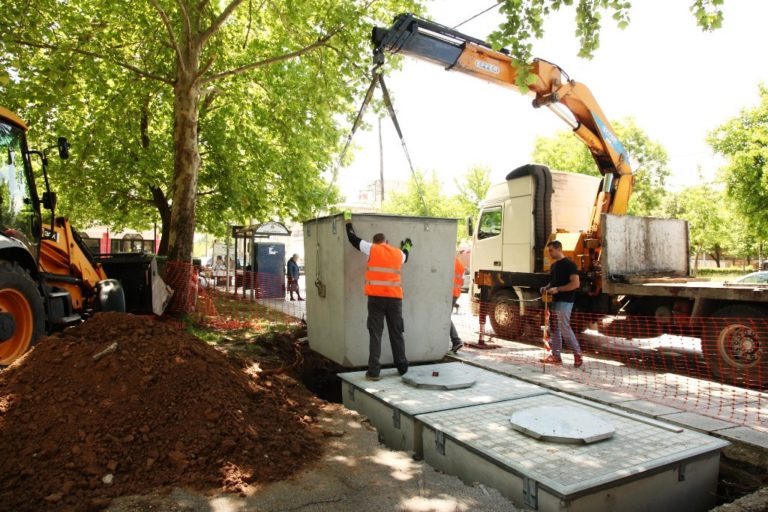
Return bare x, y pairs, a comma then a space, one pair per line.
716, 367
231, 299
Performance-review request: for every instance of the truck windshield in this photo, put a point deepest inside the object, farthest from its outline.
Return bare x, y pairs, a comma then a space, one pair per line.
16, 216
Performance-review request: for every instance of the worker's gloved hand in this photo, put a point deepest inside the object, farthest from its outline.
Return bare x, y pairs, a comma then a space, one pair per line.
347, 216
406, 245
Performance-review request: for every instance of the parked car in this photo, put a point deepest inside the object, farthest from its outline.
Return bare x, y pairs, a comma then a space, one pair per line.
760, 277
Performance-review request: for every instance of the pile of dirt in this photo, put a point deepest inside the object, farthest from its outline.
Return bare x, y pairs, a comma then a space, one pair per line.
163, 409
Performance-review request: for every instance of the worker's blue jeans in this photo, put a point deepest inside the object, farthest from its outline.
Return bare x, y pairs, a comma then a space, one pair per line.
561, 328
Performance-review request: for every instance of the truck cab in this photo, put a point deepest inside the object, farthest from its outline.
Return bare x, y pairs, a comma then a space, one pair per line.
517, 217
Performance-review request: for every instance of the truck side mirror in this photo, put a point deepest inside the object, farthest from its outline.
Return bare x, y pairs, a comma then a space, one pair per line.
49, 200
470, 226
63, 148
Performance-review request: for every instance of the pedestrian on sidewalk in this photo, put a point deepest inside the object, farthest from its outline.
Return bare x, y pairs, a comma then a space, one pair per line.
293, 276
458, 281
385, 296
563, 283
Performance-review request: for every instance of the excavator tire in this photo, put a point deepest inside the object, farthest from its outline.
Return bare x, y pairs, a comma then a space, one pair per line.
22, 315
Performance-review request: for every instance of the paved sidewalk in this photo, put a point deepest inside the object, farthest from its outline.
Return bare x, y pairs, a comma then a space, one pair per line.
732, 413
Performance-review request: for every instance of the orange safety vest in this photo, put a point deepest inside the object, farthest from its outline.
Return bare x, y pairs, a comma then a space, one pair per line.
458, 277
382, 278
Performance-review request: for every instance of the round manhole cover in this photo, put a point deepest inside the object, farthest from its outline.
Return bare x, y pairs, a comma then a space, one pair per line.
442, 378
564, 424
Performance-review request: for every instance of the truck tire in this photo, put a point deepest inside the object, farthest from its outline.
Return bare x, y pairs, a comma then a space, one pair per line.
735, 345
505, 315
22, 315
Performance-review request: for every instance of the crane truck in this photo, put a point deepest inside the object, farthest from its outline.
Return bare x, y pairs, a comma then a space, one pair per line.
48, 277
627, 265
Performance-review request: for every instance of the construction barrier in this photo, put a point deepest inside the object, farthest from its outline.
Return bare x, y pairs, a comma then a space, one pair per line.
710, 366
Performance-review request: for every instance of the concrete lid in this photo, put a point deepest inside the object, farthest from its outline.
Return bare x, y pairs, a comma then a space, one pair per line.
447, 377
561, 424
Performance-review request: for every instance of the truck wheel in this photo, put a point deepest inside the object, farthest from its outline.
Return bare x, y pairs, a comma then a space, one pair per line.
22, 316
505, 315
735, 345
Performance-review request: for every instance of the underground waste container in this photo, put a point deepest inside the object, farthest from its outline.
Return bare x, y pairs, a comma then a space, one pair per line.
336, 303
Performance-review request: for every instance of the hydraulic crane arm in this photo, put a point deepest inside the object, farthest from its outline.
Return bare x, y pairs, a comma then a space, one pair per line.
552, 88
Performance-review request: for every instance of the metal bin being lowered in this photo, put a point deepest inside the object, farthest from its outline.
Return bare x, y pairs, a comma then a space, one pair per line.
335, 273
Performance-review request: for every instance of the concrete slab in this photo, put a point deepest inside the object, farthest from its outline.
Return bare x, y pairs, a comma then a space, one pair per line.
391, 405
744, 434
647, 408
696, 421
644, 466
604, 396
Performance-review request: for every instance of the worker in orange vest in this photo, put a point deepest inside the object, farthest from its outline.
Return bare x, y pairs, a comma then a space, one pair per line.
458, 280
385, 296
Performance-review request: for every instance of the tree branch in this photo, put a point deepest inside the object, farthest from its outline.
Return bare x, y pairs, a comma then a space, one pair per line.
187, 21
206, 67
169, 28
218, 22
287, 56
130, 67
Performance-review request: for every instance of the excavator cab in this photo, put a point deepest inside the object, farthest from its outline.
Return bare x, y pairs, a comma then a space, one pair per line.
22, 310
48, 278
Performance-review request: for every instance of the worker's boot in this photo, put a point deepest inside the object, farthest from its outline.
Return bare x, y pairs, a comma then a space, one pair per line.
577, 360
550, 359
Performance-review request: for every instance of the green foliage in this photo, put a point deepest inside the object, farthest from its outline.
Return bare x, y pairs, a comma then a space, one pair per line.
525, 22
472, 190
743, 141
272, 87
709, 220
565, 152
422, 191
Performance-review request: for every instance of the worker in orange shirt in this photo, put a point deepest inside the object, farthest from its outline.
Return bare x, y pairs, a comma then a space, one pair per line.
385, 296
458, 280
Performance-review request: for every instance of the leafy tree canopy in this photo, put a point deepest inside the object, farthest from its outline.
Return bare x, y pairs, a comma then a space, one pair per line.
743, 141
525, 21
565, 152
709, 219
191, 111
421, 191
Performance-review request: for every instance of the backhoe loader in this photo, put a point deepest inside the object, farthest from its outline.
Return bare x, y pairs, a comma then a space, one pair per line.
48, 277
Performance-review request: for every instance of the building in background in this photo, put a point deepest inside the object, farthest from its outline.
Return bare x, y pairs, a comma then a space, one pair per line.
101, 241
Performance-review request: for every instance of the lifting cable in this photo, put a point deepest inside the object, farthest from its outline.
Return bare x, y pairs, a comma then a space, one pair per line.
366, 100
378, 79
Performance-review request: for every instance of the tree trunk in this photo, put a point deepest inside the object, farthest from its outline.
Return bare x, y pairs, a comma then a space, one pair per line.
161, 202
186, 161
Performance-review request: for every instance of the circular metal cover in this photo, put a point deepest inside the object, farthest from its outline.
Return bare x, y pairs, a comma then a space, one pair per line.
566, 424
427, 377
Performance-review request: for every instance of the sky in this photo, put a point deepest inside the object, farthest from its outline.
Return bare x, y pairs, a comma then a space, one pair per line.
678, 83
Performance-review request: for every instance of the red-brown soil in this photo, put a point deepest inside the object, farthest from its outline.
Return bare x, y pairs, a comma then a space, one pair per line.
164, 409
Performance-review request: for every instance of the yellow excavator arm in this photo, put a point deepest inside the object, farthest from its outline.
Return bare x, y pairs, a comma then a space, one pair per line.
552, 88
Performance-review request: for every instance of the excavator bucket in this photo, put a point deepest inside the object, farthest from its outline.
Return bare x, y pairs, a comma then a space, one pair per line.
145, 291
